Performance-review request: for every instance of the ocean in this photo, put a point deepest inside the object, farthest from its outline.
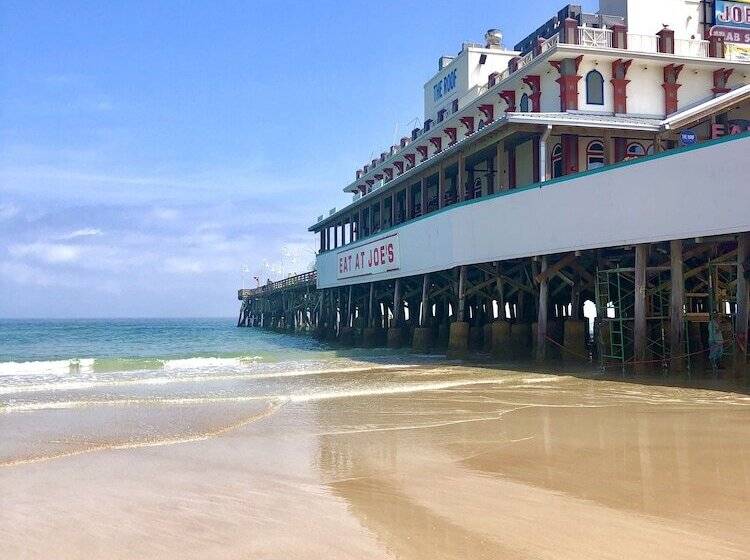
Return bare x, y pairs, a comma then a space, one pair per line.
195, 439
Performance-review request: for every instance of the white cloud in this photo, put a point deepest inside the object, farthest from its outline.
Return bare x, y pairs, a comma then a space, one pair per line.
8, 211
85, 232
52, 253
182, 265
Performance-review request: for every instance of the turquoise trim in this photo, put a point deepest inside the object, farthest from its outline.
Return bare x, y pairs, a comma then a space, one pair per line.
550, 183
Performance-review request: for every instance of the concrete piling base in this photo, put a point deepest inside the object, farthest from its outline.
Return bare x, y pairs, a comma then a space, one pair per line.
422, 341
501, 342
443, 335
395, 337
346, 336
476, 337
520, 340
574, 340
373, 338
458, 340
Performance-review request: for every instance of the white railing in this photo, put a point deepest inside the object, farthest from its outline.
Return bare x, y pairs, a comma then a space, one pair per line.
691, 47
643, 43
594, 37
550, 43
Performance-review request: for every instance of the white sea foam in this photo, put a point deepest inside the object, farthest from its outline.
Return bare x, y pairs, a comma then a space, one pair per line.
49, 367
73, 385
312, 396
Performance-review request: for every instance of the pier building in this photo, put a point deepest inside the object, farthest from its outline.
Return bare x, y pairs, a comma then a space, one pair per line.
601, 159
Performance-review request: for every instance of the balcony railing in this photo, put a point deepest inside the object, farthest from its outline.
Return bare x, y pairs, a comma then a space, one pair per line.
691, 47
594, 37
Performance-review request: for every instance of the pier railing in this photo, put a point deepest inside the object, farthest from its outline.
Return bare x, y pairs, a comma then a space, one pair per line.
305, 279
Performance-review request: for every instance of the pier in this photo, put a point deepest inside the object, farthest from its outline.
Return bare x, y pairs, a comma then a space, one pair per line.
595, 165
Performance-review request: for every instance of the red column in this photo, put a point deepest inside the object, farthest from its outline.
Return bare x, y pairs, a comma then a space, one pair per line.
509, 96
619, 36
468, 122
666, 41
621, 146
512, 167
721, 77
535, 83
570, 31
570, 153
670, 85
568, 80
620, 84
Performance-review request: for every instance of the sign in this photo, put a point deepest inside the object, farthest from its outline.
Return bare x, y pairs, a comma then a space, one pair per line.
737, 52
731, 34
688, 137
732, 127
444, 86
732, 14
375, 257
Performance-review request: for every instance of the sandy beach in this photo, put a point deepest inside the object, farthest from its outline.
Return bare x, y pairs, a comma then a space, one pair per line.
437, 461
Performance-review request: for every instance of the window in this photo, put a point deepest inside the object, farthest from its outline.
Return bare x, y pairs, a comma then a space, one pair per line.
595, 155
594, 88
557, 161
650, 150
454, 106
635, 150
524, 103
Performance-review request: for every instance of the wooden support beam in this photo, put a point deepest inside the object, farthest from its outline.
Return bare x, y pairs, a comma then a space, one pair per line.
370, 317
743, 297
425, 301
397, 303
677, 307
640, 326
555, 268
461, 315
541, 333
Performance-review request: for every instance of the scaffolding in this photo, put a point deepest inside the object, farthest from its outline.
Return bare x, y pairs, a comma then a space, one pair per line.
615, 308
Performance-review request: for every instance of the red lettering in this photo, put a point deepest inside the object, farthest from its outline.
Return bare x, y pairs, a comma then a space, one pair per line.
718, 130
735, 129
382, 254
391, 257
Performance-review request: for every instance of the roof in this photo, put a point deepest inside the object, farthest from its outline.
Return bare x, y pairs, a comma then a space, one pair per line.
585, 119
707, 108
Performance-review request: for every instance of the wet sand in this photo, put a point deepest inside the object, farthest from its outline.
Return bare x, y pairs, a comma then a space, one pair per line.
457, 462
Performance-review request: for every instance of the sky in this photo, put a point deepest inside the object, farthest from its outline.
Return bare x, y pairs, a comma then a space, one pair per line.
156, 156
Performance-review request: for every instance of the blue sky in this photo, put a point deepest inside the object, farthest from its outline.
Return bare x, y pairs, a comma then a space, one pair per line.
149, 151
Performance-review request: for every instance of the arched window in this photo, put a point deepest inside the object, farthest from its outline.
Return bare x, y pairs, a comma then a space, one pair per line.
595, 155
594, 88
557, 161
650, 150
635, 150
525, 103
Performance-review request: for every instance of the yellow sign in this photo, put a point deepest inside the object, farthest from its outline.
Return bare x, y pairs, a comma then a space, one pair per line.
734, 51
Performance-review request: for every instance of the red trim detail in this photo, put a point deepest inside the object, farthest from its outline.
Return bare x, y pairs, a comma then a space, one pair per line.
451, 132
621, 147
670, 85
509, 96
468, 122
620, 85
411, 159
378, 176
570, 153
721, 77
370, 182
388, 173
488, 111
568, 85
423, 152
399, 165
437, 141
535, 83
